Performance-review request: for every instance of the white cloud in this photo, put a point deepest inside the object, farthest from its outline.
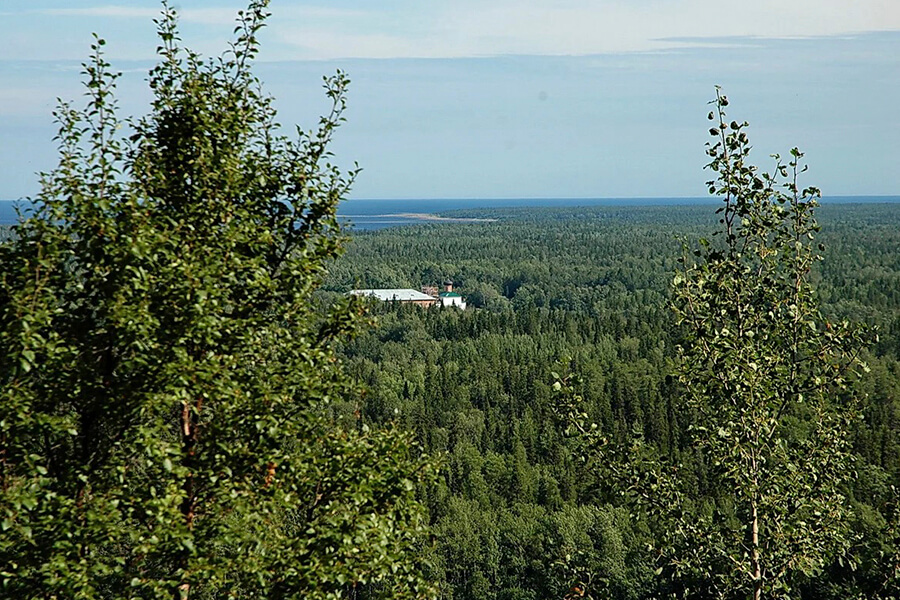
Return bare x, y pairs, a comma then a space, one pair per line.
476, 28
206, 16
127, 12
460, 28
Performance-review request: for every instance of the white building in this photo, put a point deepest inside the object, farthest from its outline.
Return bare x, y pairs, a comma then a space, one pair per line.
398, 295
450, 298
427, 297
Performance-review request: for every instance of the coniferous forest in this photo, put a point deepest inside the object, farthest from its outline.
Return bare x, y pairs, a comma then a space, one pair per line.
691, 402
585, 293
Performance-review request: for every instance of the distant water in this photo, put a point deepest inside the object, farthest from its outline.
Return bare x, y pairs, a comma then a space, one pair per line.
8, 210
378, 214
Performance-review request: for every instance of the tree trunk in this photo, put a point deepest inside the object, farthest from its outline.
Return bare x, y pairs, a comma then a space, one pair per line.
757, 570
189, 435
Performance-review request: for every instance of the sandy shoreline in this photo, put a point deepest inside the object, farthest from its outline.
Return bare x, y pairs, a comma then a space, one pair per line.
432, 217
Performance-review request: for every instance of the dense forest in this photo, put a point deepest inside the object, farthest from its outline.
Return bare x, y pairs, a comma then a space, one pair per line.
518, 512
192, 406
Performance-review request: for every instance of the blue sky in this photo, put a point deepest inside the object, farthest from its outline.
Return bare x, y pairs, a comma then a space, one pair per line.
509, 98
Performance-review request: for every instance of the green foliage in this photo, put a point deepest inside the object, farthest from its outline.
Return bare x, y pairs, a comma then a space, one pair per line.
168, 386
754, 497
476, 384
765, 376
765, 384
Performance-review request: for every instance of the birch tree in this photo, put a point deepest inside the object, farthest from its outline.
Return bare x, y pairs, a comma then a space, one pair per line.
166, 382
765, 375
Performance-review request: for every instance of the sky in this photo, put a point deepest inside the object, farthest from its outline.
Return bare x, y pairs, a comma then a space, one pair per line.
507, 98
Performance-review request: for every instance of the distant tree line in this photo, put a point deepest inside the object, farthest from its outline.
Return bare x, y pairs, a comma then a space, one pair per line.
191, 407
586, 291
